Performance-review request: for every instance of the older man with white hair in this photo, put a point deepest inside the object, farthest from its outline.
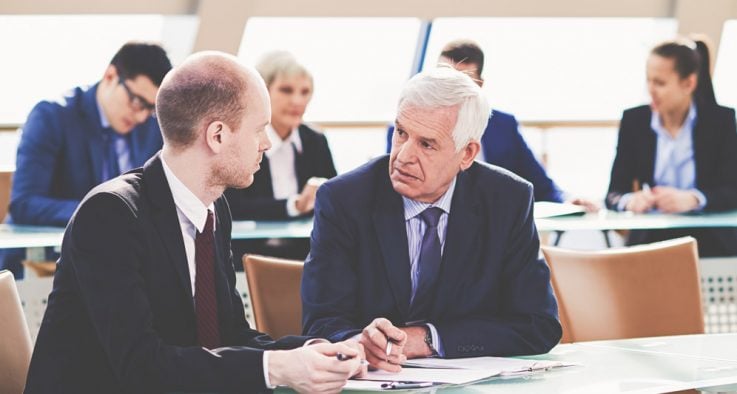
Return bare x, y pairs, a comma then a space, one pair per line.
427, 252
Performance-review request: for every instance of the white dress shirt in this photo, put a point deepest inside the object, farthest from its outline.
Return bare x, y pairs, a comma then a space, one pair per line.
192, 215
281, 164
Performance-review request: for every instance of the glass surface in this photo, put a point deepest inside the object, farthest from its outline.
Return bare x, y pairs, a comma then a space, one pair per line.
719, 347
18, 236
609, 220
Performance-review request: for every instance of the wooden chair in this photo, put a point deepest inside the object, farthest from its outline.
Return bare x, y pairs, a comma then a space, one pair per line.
274, 285
6, 182
640, 291
15, 340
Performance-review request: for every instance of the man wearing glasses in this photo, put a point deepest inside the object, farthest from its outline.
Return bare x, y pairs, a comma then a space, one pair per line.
90, 135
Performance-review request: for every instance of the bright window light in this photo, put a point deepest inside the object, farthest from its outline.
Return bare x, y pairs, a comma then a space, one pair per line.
359, 64
46, 55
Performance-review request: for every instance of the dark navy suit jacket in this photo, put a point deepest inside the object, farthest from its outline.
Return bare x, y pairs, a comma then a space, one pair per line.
121, 317
504, 146
60, 159
715, 157
494, 295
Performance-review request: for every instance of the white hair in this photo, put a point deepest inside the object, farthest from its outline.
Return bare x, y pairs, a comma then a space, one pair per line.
280, 64
446, 87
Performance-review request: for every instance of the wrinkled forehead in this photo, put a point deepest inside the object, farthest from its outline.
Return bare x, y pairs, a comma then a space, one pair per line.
435, 120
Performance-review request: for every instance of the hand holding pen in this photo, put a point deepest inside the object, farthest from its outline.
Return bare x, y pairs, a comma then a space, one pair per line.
384, 345
641, 200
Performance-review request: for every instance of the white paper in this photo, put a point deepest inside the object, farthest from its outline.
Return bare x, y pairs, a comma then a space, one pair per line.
498, 365
452, 376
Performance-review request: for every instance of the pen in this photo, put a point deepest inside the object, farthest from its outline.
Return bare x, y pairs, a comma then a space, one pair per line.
405, 385
343, 357
645, 187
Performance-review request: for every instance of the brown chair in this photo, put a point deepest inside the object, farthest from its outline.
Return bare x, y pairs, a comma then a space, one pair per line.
6, 182
15, 339
640, 291
274, 285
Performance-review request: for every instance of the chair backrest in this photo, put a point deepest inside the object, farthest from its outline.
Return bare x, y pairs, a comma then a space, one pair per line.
15, 340
640, 291
6, 182
274, 286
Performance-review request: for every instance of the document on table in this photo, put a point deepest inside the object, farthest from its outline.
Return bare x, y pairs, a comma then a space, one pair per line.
547, 209
435, 375
497, 365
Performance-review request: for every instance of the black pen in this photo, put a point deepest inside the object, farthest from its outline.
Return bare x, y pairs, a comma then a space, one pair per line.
405, 385
343, 357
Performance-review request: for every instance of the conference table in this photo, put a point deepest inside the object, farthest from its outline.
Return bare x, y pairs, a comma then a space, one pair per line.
35, 238
641, 366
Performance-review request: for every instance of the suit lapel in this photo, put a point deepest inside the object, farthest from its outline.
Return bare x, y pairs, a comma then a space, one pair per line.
649, 147
461, 240
700, 143
389, 224
166, 221
95, 143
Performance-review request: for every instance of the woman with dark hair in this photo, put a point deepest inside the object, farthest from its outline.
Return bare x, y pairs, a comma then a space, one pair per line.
678, 154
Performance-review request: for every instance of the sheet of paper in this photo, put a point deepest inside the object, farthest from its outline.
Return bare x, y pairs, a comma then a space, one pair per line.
453, 376
499, 365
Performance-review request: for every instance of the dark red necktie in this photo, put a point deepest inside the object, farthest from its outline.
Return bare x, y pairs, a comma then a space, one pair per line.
205, 298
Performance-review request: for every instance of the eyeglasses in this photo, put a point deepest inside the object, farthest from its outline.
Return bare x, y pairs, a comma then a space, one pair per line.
137, 102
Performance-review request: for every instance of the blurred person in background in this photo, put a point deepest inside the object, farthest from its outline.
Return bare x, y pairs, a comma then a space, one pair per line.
679, 153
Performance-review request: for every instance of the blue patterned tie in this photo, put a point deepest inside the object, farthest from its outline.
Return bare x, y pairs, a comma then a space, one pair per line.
428, 266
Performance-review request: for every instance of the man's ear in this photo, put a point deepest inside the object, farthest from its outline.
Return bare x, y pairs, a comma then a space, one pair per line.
214, 135
470, 151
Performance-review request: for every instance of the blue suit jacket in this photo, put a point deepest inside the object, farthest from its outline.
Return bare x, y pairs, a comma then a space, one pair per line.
505, 147
494, 295
60, 159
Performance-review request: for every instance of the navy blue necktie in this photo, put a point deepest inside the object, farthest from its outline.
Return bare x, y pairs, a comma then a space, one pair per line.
110, 155
428, 266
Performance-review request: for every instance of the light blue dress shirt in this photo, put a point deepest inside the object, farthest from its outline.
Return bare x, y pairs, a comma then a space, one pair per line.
121, 144
415, 232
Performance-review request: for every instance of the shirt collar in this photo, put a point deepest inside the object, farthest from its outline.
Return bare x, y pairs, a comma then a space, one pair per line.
189, 205
657, 125
277, 142
413, 208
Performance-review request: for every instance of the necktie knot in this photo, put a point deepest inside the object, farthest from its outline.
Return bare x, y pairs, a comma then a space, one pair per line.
431, 216
208, 223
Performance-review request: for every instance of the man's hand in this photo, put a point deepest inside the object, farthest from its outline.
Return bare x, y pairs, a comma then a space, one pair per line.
316, 368
587, 205
384, 345
416, 346
672, 200
306, 201
641, 201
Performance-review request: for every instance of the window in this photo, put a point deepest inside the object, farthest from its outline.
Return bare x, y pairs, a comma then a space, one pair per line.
50, 54
725, 72
359, 64
559, 68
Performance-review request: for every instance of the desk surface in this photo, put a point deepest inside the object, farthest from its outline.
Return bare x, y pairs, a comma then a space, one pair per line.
678, 363
16, 236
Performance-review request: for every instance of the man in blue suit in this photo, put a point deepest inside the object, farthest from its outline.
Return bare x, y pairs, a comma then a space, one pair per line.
502, 144
91, 135
428, 251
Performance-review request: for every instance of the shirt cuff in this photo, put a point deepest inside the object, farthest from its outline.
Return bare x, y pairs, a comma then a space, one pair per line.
623, 200
315, 341
437, 344
266, 371
292, 206
701, 197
